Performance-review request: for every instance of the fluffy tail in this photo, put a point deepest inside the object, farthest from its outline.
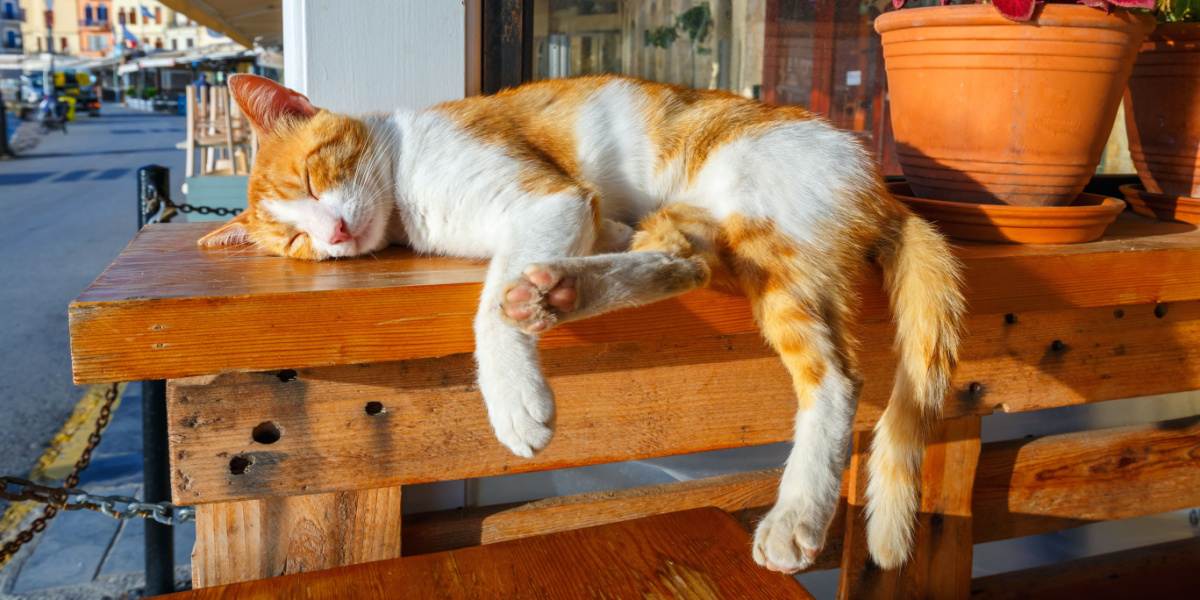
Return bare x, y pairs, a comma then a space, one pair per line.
923, 284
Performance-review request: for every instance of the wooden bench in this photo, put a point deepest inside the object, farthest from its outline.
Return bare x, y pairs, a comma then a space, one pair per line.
699, 553
302, 397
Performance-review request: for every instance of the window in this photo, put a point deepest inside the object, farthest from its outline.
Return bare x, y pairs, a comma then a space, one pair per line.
121, 16
87, 14
158, 15
11, 40
158, 43
63, 42
39, 44
97, 43
102, 13
133, 16
820, 54
9, 11
190, 43
174, 44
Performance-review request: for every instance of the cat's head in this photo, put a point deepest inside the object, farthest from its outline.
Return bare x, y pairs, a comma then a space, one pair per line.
320, 186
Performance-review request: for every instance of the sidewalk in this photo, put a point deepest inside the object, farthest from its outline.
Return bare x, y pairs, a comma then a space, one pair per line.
84, 554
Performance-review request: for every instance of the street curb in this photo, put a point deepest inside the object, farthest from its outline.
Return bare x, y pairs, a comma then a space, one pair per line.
61, 453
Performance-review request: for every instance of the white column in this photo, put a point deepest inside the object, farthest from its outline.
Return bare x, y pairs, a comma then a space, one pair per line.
375, 55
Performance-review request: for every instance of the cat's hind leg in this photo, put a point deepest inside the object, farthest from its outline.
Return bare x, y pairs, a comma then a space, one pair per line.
792, 533
800, 299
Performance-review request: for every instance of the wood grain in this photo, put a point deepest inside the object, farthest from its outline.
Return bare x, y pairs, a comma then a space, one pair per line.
255, 539
624, 401
166, 308
1161, 571
1026, 487
699, 553
940, 567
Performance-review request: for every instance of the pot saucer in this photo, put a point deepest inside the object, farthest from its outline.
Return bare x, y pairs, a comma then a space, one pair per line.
1163, 207
1081, 221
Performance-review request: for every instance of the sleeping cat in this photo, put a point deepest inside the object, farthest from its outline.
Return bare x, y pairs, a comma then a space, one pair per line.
547, 179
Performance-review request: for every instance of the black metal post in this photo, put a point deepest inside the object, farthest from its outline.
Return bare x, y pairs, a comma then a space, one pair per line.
156, 471
154, 183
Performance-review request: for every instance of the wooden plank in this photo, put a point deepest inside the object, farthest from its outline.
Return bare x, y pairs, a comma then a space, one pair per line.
1026, 487
166, 309
701, 394
859, 572
1165, 482
698, 553
256, 539
940, 567
1161, 571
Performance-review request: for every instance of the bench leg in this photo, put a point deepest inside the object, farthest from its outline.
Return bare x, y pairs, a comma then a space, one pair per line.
256, 539
940, 566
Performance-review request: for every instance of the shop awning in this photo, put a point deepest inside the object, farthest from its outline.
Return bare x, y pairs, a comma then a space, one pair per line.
244, 21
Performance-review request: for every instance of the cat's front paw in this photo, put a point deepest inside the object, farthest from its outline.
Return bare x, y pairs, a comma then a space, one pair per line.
784, 542
539, 298
522, 416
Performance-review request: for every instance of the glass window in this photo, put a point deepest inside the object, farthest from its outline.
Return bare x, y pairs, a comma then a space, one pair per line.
87, 14
820, 54
102, 13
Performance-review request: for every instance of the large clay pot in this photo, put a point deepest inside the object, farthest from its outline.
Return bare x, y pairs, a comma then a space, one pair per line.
1162, 111
989, 110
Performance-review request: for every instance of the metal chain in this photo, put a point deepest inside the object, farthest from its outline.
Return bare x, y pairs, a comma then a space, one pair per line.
68, 497
153, 202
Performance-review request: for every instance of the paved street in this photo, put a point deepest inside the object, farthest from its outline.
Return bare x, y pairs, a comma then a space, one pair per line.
66, 208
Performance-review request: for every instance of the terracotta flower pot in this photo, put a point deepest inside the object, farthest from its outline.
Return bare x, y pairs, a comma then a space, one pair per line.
1162, 111
993, 111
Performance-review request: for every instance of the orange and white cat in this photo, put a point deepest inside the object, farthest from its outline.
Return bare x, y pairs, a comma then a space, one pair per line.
549, 179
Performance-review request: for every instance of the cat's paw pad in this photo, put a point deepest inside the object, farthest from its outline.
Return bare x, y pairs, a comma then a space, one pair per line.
783, 542
525, 424
537, 300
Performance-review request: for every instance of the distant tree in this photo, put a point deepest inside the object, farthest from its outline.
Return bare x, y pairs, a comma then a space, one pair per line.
696, 22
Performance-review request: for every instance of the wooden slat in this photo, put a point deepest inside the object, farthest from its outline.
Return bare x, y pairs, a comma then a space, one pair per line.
1166, 480
1033, 486
940, 567
256, 539
688, 396
1161, 571
167, 309
698, 553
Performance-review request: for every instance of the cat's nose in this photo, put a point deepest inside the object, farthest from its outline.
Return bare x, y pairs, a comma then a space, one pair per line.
340, 233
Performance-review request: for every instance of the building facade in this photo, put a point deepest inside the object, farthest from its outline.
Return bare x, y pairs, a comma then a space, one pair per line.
11, 17
95, 28
60, 35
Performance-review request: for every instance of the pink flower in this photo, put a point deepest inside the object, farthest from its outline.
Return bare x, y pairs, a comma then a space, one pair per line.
1022, 10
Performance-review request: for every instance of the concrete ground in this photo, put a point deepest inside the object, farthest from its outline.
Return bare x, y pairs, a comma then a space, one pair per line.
66, 209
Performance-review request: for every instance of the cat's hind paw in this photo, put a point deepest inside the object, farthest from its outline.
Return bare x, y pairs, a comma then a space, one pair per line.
539, 298
783, 542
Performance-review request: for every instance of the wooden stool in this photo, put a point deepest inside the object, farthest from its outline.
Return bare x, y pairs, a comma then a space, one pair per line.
699, 553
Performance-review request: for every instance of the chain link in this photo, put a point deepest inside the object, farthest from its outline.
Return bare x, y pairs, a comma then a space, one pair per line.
68, 497
153, 202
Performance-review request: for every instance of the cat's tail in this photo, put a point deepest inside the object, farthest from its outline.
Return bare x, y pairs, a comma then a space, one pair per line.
922, 279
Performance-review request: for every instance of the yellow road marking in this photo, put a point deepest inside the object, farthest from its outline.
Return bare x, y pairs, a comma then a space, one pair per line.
59, 457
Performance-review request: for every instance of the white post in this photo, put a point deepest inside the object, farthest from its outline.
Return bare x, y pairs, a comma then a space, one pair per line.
375, 55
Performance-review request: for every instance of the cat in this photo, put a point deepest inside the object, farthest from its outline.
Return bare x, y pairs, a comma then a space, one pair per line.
548, 179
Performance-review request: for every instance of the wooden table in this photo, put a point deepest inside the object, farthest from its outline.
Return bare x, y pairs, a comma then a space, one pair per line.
303, 396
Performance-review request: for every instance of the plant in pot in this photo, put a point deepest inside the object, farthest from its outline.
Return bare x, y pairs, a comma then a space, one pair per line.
1001, 111
1162, 115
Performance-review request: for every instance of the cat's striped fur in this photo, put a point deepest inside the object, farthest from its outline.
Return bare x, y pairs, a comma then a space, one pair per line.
548, 179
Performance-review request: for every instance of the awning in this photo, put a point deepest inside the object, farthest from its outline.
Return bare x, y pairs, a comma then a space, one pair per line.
244, 21
220, 52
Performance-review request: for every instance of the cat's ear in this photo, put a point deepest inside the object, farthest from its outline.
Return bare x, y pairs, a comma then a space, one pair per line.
232, 233
266, 103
